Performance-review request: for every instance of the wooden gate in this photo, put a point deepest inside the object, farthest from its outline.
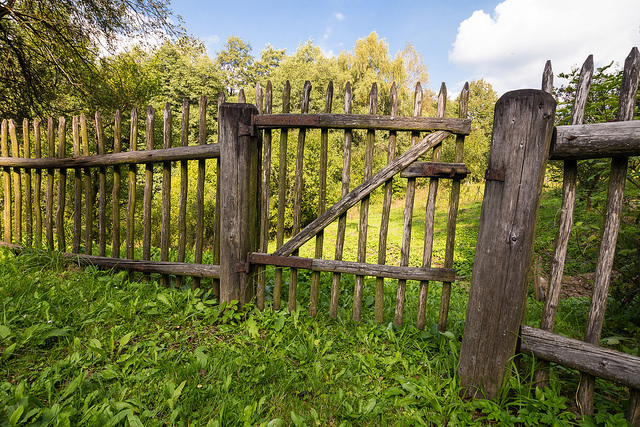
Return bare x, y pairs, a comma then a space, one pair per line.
427, 133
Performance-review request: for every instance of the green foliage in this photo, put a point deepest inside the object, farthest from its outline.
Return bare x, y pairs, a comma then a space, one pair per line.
51, 48
88, 347
602, 106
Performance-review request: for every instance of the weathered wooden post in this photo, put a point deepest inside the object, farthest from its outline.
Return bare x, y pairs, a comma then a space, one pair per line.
239, 199
522, 130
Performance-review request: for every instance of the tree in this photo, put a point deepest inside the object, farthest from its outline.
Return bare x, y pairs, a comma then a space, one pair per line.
49, 45
237, 64
482, 100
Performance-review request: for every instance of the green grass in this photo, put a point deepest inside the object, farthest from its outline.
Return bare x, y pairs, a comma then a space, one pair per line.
86, 347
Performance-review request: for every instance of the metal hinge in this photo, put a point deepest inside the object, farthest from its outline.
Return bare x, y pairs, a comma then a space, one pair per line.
494, 175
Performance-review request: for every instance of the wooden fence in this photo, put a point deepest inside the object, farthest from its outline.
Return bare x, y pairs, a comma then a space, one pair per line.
243, 157
522, 137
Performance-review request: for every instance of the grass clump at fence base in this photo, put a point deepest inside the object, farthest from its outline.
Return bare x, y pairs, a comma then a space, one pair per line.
91, 348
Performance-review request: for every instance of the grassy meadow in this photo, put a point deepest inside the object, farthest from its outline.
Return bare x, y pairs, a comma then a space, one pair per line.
89, 347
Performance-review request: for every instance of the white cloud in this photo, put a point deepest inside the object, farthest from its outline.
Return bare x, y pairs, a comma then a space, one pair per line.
212, 43
339, 16
510, 47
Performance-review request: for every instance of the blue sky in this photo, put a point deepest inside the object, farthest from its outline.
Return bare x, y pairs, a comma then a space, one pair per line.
506, 42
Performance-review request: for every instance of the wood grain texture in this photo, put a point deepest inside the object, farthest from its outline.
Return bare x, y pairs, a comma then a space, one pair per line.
386, 210
49, 214
297, 192
16, 179
6, 182
363, 223
357, 268
102, 189
28, 187
522, 130
77, 187
604, 266
148, 188
131, 186
363, 121
88, 189
115, 190
199, 244
342, 219
266, 181
207, 151
570, 176
621, 368
429, 222
596, 140
362, 191
240, 177
322, 200
408, 217
165, 230
62, 185
184, 188
282, 192
452, 217
37, 196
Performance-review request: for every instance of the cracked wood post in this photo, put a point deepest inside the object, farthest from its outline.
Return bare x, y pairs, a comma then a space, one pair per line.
239, 199
522, 131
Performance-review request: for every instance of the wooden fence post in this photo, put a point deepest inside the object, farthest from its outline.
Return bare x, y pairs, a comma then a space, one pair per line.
522, 130
239, 198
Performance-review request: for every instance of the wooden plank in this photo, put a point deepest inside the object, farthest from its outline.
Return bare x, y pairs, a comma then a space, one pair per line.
361, 121
342, 220
148, 188
408, 216
102, 190
149, 267
208, 151
28, 188
362, 191
51, 149
297, 193
429, 223
435, 170
217, 230
131, 186
322, 201
184, 189
77, 189
596, 140
522, 130
165, 231
363, 223
386, 210
17, 185
37, 196
239, 177
88, 189
6, 182
357, 268
264, 203
202, 108
62, 185
547, 78
617, 180
570, 176
452, 217
282, 192
621, 368
115, 191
